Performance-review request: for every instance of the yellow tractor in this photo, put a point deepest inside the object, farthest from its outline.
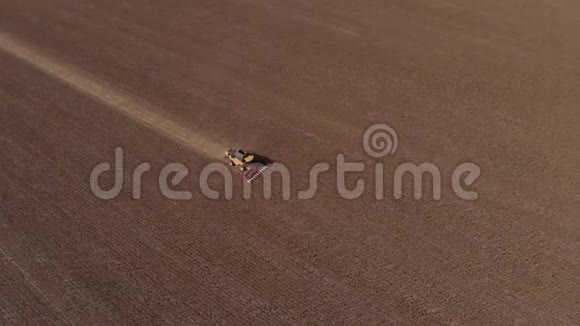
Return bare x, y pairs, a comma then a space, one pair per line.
239, 158
250, 164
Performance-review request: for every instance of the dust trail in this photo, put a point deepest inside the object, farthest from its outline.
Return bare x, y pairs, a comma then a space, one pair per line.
133, 107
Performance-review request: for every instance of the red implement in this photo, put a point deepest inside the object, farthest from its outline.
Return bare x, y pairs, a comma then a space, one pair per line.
254, 171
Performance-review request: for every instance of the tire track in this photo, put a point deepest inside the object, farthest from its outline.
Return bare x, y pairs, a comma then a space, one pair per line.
137, 109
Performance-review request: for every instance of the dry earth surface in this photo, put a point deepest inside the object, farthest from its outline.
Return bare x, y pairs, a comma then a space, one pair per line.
492, 82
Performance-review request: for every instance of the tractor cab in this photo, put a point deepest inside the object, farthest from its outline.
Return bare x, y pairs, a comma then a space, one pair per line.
239, 157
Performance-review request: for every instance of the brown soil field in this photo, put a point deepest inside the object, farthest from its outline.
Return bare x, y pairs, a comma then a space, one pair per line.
494, 83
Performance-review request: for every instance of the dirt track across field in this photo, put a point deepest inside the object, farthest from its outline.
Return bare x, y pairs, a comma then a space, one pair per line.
494, 83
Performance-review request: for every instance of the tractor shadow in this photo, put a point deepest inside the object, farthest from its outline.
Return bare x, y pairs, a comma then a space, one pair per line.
262, 159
